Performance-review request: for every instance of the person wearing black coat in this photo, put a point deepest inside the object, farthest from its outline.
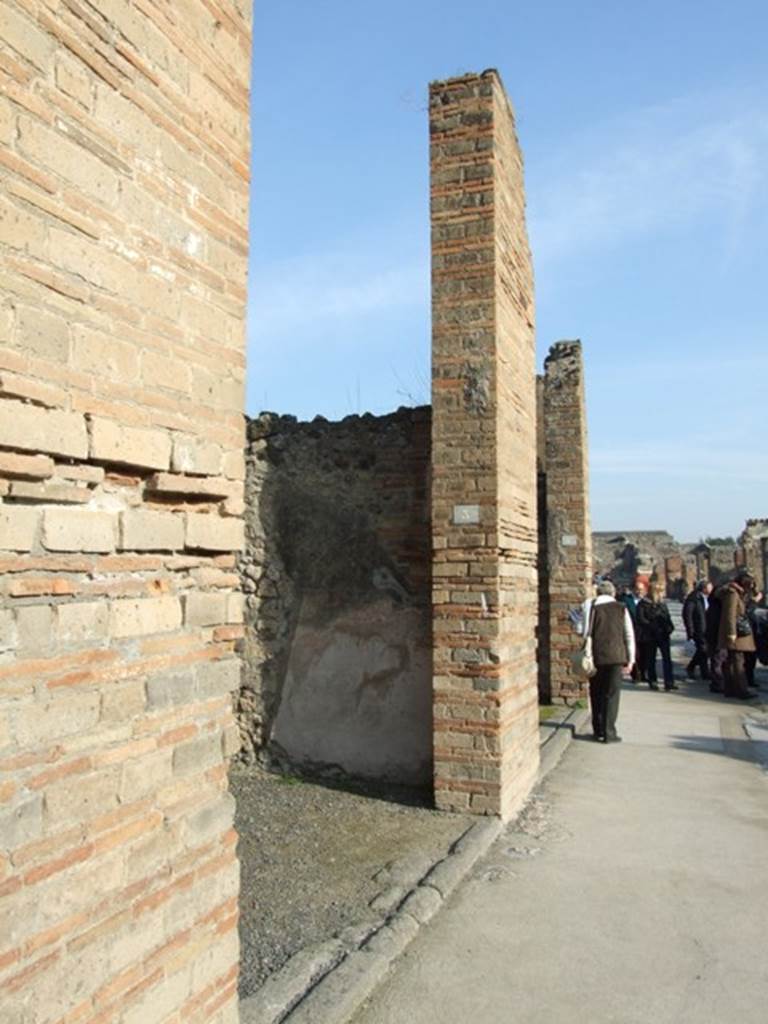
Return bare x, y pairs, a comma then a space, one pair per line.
695, 621
717, 656
655, 629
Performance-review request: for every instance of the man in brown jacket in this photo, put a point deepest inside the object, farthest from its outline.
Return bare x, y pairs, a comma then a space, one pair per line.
613, 650
735, 636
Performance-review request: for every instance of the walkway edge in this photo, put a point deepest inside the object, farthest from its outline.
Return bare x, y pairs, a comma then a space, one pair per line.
327, 983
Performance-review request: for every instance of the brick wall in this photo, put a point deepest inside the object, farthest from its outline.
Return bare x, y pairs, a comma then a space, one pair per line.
564, 521
483, 453
336, 570
123, 202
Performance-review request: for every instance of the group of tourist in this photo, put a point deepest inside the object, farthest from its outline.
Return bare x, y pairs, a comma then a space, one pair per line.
725, 625
729, 632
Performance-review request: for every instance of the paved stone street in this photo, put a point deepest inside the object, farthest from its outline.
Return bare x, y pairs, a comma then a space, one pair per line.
632, 890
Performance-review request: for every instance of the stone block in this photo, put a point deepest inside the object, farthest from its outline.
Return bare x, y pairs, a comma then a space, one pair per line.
167, 690
218, 678
21, 230
197, 755
72, 79
43, 334
189, 486
235, 605
84, 622
8, 633
144, 616
191, 455
70, 529
18, 528
142, 530
145, 775
234, 465
37, 725
104, 356
205, 609
50, 493
43, 430
35, 628
213, 533
129, 446
82, 797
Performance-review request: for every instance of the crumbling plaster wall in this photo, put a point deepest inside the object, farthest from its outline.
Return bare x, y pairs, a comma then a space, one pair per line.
337, 577
123, 238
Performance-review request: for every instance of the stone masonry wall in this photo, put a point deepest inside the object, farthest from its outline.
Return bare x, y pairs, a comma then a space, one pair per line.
483, 454
123, 209
754, 543
337, 575
568, 571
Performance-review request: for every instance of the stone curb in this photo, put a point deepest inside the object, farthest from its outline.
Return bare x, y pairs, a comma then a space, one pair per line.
561, 733
325, 984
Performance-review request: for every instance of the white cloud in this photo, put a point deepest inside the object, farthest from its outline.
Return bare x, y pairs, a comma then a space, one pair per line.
665, 166
335, 286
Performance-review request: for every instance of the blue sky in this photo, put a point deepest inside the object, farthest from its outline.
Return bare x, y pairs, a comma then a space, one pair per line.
644, 129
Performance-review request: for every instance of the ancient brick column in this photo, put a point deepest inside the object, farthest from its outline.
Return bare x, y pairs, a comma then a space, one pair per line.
483, 453
568, 537
124, 151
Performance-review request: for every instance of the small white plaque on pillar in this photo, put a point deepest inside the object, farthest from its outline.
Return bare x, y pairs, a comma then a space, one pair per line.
466, 515
569, 540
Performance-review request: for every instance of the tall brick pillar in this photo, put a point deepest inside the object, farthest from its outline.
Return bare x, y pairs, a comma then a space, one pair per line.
124, 152
567, 573
483, 453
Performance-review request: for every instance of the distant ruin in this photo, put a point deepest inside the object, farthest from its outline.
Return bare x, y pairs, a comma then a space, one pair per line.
656, 555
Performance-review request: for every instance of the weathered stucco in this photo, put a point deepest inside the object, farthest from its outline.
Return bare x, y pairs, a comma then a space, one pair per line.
336, 571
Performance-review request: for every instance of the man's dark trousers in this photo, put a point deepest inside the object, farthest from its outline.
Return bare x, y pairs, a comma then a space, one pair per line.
604, 693
700, 660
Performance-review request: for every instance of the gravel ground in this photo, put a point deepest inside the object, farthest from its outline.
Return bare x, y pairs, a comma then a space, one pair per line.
315, 856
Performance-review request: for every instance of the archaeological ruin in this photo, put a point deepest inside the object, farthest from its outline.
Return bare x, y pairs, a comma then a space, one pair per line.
383, 618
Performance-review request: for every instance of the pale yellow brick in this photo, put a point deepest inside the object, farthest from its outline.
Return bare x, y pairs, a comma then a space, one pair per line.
26, 467
123, 702
103, 356
73, 79
50, 492
82, 797
143, 616
7, 121
131, 446
234, 607
75, 529
76, 164
151, 531
205, 609
146, 774
22, 35
21, 229
191, 455
18, 527
234, 465
38, 724
162, 371
83, 622
43, 334
36, 628
8, 633
44, 430
213, 533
